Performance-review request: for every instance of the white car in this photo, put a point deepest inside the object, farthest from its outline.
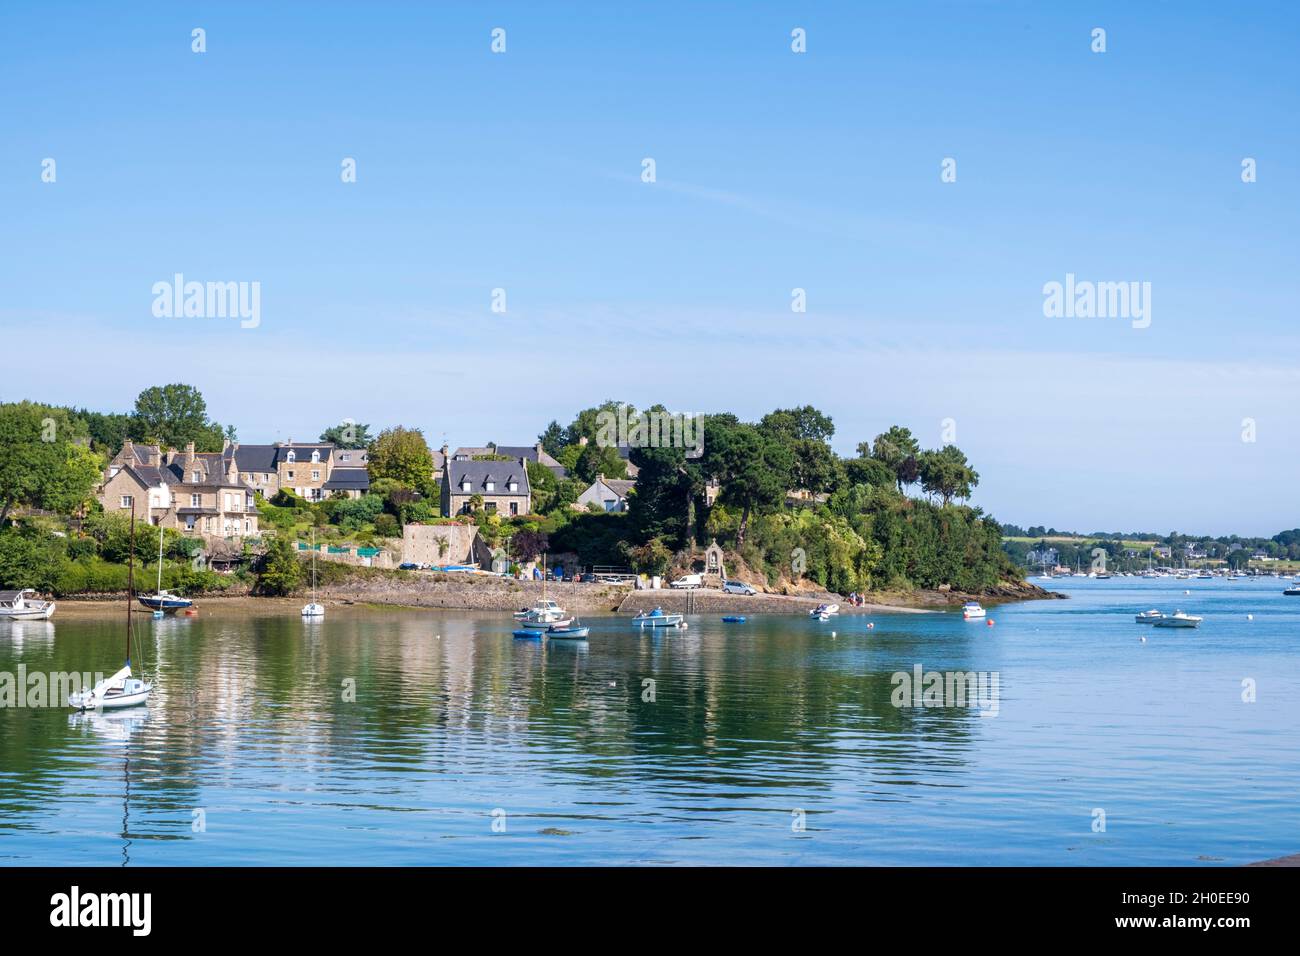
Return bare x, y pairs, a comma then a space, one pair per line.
737, 587
689, 581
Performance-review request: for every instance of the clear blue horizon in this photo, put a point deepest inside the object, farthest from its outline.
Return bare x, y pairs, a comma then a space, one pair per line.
775, 171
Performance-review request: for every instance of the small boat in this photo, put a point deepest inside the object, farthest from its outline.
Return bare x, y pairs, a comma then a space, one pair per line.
1292, 591
313, 609
824, 611
532, 625
544, 612
971, 610
657, 618
528, 635
120, 690
568, 632
21, 606
165, 601
1179, 619
1148, 617
733, 619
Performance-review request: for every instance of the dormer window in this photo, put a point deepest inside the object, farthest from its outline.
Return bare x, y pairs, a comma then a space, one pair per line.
315, 457
291, 457
465, 486
514, 486
491, 486
198, 476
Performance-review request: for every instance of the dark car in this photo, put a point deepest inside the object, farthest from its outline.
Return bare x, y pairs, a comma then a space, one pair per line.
408, 566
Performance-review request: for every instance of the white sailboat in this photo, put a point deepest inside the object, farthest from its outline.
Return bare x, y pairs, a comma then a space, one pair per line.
120, 690
161, 602
313, 609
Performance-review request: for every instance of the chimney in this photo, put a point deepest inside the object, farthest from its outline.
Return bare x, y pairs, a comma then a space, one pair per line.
189, 454
170, 456
600, 477
538, 448
443, 449
225, 445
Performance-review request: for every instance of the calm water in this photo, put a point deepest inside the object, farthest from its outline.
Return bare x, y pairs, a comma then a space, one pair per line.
453, 720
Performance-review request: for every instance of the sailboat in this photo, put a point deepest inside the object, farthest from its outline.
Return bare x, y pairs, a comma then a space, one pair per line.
162, 601
313, 609
545, 613
120, 690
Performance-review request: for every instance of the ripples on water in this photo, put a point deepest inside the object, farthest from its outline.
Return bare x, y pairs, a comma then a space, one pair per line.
752, 728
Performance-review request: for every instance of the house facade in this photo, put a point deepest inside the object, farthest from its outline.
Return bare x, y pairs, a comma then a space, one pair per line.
315, 470
534, 453
502, 486
198, 494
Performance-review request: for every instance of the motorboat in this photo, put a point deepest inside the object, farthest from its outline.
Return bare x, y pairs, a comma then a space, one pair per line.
22, 606
657, 618
972, 610
526, 635
824, 610
1292, 591
165, 601
733, 619
1148, 617
1179, 619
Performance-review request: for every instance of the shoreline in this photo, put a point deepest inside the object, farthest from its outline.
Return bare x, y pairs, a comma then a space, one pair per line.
479, 593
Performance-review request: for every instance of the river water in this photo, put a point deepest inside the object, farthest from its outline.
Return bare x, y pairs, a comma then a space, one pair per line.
434, 737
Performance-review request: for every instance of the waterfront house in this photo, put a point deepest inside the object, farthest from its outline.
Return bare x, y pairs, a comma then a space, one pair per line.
196, 493
439, 545
609, 494
313, 470
501, 485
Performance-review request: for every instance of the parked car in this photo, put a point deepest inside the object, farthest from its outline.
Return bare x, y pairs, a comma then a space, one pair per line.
408, 566
689, 581
737, 587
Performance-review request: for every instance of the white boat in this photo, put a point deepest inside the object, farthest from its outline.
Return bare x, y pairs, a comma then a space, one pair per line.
1179, 619
21, 606
530, 624
544, 612
1148, 617
657, 618
823, 611
1292, 591
313, 609
971, 610
122, 689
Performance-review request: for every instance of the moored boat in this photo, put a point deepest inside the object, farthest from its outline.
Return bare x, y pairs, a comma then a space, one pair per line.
733, 619
1148, 617
1179, 619
569, 632
1292, 591
971, 610
165, 601
22, 606
824, 611
657, 618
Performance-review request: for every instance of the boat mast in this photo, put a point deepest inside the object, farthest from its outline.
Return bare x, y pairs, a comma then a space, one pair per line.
160, 546
130, 585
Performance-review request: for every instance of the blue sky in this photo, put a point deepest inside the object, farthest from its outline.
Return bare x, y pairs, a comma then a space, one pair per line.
775, 170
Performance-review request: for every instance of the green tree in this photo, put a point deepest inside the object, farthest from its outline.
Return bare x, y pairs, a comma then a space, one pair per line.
543, 484
947, 473
552, 438
595, 460
42, 463
174, 416
403, 455
348, 435
893, 448
791, 424
279, 570
754, 470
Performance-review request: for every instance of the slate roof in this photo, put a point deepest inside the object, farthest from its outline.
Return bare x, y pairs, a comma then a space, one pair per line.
348, 479
478, 473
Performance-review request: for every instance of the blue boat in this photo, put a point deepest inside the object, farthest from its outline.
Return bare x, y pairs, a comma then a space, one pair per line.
165, 601
733, 620
528, 635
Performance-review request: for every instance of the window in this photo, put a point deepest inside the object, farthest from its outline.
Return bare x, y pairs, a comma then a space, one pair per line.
128, 501
514, 507
490, 507
189, 522
611, 504
464, 486
289, 474
345, 458
491, 486
291, 458
196, 501
315, 476
514, 486
197, 477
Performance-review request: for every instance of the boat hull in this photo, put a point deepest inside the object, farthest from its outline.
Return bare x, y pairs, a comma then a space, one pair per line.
569, 634
166, 605
663, 620
28, 614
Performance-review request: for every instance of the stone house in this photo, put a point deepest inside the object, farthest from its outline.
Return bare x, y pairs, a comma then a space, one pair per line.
534, 453
315, 470
502, 485
199, 494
